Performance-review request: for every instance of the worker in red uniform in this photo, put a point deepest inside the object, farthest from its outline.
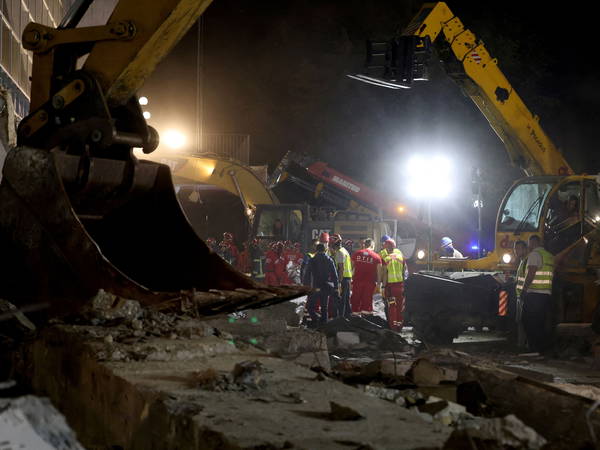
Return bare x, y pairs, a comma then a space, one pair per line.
212, 244
395, 273
367, 266
294, 263
228, 250
281, 264
243, 262
270, 259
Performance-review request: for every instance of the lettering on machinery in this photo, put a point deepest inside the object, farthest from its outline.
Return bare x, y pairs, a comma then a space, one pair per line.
346, 184
317, 232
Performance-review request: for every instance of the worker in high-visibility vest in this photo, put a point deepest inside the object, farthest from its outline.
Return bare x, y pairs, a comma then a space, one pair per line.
258, 259
383, 252
520, 251
536, 293
344, 267
395, 273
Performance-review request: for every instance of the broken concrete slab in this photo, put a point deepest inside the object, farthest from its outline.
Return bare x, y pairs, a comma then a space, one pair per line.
32, 423
386, 368
347, 339
424, 373
152, 404
556, 414
495, 434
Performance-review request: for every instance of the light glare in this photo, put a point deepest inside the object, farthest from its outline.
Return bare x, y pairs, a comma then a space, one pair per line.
174, 139
147, 115
143, 101
429, 177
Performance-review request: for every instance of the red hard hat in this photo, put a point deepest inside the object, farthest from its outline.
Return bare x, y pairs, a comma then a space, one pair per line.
349, 242
390, 243
324, 237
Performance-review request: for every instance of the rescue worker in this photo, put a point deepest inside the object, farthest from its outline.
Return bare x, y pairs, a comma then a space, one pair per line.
321, 274
270, 260
383, 251
294, 258
308, 255
349, 245
520, 251
281, 264
324, 239
448, 249
243, 262
228, 249
212, 244
257, 258
395, 273
536, 292
343, 264
366, 275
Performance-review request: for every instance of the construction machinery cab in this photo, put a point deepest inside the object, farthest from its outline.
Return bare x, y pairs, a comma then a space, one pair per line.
280, 223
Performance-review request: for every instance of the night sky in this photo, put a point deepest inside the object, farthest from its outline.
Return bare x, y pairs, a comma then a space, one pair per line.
277, 71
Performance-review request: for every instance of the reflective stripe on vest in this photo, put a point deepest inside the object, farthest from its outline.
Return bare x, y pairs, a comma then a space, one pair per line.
347, 263
311, 255
521, 273
395, 266
258, 267
543, 276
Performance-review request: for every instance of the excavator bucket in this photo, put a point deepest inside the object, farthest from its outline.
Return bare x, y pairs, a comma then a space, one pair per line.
73, 224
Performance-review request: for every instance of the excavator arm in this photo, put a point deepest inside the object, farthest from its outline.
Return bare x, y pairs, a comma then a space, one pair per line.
399, 62
80, 212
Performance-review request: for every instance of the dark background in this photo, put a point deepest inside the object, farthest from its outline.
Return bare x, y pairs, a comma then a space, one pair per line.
277, 70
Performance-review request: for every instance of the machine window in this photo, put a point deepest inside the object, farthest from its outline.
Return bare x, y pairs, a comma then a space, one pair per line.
563, 219
295, 231
271, 224
521, 211
592, 204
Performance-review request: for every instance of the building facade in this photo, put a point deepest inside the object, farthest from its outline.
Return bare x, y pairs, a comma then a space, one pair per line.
15, 62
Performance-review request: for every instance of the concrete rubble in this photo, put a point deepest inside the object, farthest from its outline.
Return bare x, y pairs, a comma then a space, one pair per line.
130, 377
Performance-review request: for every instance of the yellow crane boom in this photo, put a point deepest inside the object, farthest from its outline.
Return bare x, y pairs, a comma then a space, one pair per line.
527, 145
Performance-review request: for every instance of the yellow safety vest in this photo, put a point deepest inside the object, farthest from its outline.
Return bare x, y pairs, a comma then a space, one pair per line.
383, 253
521, 274
543, 275
395, 266
347, 263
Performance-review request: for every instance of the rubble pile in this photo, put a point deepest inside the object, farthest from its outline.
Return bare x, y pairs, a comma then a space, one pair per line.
225, 373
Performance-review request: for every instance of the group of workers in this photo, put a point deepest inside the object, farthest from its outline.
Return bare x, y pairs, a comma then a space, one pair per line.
344, 283
534, 294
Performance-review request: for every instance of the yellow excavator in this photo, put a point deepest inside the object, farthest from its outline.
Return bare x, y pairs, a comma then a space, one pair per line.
552, 202
79, 211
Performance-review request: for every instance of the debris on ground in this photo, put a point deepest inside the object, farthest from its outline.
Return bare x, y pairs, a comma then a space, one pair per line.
248, 374
339, 412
